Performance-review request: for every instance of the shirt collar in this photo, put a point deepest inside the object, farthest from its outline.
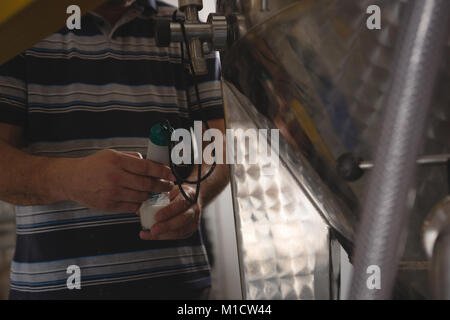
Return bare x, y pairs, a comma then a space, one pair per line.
138, 7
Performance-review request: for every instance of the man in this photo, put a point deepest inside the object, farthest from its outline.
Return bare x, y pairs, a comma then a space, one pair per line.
75, 110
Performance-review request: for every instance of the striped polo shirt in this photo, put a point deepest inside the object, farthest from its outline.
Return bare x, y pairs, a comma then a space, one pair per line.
81, 91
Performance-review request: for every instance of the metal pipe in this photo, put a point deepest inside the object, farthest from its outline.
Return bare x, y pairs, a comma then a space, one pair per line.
191, 13
432, 159
190, 9
386, 207
198, 58
202, 31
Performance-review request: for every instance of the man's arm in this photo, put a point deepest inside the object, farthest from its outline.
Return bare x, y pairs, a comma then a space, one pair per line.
107, 180
180, 219
214, 184
21, 173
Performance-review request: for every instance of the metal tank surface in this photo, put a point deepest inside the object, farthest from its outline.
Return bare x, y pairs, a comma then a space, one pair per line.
312, 69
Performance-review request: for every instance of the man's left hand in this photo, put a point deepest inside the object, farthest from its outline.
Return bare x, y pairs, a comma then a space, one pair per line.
178, 220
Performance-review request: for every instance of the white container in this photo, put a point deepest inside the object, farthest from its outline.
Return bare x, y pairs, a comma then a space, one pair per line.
157, 151
148, 210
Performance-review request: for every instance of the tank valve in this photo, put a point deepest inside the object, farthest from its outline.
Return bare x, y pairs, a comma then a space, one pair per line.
219, 32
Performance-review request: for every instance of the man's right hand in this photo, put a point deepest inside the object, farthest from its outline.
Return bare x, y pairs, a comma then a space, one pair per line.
114, 181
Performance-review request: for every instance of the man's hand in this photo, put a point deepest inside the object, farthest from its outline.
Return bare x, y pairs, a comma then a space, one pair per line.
114, 181
179, 220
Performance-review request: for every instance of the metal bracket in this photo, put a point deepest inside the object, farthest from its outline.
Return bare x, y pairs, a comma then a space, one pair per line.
351, 168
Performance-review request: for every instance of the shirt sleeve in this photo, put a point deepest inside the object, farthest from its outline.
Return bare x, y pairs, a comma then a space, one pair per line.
13, 92
210, 88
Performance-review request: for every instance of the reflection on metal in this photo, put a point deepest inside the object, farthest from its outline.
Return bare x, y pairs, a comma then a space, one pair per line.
285, 247
436, 239
312, 69
436, 223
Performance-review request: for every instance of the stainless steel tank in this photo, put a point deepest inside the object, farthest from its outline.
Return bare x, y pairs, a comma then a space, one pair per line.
312, 69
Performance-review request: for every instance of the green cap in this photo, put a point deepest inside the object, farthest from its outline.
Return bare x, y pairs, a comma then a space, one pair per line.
158, 136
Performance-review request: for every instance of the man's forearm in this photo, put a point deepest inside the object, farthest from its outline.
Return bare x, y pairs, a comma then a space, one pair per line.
214, 184
28, 179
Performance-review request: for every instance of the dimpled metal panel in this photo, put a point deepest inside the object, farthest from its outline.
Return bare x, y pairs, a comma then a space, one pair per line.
314, 70
283, 241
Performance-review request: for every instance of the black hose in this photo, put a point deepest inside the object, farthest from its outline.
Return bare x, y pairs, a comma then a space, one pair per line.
168, 128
